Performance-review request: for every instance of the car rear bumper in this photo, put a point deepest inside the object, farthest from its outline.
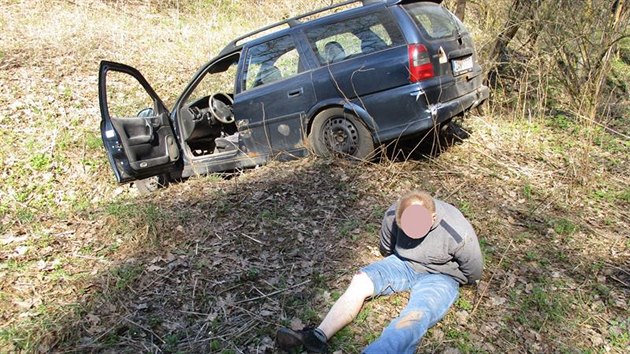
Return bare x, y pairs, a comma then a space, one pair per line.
431, 115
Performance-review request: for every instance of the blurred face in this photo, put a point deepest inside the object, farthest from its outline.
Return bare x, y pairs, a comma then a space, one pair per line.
416, 221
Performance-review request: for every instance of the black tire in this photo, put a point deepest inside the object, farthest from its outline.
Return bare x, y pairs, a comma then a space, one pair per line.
338, 133
151, 184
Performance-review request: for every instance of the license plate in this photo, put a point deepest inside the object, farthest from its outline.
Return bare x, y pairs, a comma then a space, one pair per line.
461, 66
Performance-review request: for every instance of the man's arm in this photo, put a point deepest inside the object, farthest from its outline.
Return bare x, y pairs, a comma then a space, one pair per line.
470, 259
388, 241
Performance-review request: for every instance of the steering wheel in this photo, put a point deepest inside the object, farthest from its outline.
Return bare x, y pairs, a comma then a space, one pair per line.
220, 110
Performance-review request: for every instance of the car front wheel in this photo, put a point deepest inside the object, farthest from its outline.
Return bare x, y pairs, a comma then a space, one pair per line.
335, 132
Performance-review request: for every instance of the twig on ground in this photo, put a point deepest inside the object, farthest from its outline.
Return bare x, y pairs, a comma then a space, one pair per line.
146, 329
253, 239
97, 339
455, 190
200, 330
195, 313
620, 281
193, 293
618, 268
159, 276
272, 293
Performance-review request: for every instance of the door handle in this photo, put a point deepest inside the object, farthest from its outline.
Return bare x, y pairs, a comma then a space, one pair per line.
296, 93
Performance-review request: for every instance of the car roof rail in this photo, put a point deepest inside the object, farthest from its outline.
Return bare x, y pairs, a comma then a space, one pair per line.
294, 21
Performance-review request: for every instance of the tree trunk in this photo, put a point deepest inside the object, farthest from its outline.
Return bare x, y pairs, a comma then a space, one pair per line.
460, 10
520, 11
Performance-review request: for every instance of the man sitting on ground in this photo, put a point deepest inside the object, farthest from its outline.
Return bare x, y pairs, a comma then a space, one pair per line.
430, 249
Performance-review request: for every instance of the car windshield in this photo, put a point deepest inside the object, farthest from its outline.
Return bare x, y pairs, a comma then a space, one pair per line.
219, 77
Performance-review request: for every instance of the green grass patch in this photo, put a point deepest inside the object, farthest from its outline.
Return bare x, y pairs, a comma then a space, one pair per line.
311, 316
466, 208
25, 215
215, 345
624, 195
462, 341
564, 226
40, 162
528, 191
619, 333
561, 122
542, 307
125, 275
363, 315
93, 141
531, 256
464, 304
620, 73
122, 210
131, 215
26, 334
14, 265
214, 178
344, 339
348, 229
15, 337
611, 196
335, 295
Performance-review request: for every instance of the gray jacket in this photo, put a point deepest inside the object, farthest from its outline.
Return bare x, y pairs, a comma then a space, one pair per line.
450, 247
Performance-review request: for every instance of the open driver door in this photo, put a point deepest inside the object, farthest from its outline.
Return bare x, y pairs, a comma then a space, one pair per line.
135, 125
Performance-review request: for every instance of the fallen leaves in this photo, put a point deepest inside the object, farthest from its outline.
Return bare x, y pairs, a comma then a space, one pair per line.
296, 324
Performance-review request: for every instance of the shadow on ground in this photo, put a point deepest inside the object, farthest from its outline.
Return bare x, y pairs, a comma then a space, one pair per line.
221, 265
430, 144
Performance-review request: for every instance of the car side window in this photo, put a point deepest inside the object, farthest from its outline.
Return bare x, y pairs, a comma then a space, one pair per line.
271, 61
355, 37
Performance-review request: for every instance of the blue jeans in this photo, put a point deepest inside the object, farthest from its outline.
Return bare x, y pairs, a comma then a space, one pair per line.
431, 297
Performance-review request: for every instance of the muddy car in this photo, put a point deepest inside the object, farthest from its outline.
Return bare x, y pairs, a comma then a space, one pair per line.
342, 83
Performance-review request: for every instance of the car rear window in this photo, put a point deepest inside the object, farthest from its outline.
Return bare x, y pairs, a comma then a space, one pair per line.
354, 37
434, 21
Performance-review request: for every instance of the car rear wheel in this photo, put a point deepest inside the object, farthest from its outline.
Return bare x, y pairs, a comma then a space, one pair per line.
335, 132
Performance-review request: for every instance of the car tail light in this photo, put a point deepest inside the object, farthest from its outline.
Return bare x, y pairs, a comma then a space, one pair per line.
420, 67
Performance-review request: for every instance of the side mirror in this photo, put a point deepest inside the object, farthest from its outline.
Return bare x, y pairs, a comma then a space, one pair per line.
146, 113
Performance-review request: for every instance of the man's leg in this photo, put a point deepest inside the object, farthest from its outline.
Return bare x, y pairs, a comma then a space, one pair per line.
384, 277
431, 297
347, 307
343, 312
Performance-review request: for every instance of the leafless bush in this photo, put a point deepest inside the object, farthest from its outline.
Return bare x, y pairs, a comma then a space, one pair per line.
551, 56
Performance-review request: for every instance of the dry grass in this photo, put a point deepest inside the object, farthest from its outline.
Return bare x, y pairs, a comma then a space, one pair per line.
216, 265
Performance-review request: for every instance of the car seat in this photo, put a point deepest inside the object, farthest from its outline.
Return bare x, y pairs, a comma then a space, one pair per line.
267, 74
333, 52
372, 43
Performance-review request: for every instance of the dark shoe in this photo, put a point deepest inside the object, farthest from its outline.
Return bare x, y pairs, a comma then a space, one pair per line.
288, 339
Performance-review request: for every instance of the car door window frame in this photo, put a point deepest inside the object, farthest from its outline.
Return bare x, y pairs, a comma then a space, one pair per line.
302, 64
385, 19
